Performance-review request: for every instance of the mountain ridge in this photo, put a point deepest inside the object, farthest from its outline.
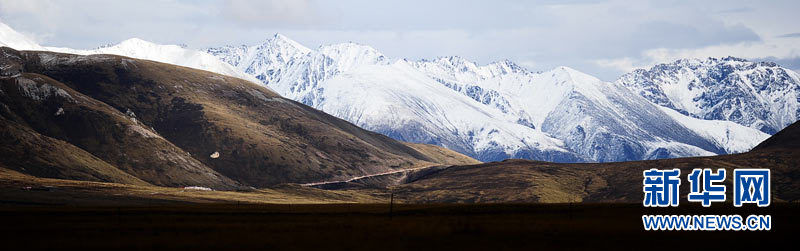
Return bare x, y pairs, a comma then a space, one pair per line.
176, 126
526, 181
303, 74
135, 48
760, 95
317, 79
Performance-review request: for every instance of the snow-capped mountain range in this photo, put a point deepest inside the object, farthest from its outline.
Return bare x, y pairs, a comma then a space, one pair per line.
268, 62
760, 95
490, 112
501, 110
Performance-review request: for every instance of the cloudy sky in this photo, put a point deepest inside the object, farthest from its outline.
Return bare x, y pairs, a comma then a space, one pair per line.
602, 38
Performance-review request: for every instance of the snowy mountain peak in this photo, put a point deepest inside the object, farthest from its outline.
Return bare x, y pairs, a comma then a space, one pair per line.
490, 112
170, 54
577, 77
278, 36
11, 38
349, 54
281, 42
455, 68
732, 58
503, 67
760, 95
694, 63
265, 61
457, 63
136, 41
453, 60
507, 66
137, 47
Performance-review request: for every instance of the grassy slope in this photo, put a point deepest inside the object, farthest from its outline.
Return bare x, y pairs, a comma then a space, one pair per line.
265, 140
184, 115
443, 155
21, 189
54, 110
262, 139
27, 151
531, 181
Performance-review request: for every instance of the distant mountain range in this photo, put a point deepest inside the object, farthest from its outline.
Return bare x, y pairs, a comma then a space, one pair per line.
519, 181
501, 110
760, 95
115, 128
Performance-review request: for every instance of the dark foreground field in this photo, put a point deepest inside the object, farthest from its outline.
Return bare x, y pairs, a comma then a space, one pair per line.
373, 227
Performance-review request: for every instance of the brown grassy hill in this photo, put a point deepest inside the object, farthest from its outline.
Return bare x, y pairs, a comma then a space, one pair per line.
27, 151
136, 122
21, 189
442, 155
177, 126
533, 181
788, 138
35, 104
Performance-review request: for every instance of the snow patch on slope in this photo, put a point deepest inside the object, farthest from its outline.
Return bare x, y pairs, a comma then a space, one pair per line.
760, 95
135, 48
265, 61
733, 137
388, 98
11, 38
171, 54
489, 112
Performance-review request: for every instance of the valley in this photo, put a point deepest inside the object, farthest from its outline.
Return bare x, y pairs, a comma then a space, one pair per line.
399, 125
